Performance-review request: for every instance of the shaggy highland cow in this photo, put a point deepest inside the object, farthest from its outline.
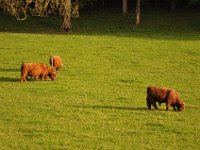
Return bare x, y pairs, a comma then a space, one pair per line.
164, 95
55, 62
38, 71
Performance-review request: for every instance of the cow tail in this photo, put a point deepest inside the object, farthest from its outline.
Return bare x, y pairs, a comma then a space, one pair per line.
22, 69
148, 101
22, 66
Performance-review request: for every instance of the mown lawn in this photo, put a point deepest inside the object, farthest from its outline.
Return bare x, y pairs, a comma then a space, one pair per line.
98, 98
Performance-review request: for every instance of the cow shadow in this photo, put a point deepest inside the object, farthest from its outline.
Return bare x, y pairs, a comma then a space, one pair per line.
120, 108
109, 107
9, 69
8, 79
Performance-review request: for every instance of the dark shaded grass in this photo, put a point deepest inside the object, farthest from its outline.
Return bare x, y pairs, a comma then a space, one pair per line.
182, 25
7, 79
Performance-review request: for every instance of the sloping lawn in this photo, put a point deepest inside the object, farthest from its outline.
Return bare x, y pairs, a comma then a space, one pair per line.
98, 100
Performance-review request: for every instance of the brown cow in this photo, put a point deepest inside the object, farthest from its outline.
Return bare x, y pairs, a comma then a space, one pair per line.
55, 62
39, 71
164, 95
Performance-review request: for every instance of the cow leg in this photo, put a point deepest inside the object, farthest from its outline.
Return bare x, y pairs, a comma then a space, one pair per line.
23, 78
148, 103
45, 77
167, 107
174, 108
154, 104
168, 104
40, 77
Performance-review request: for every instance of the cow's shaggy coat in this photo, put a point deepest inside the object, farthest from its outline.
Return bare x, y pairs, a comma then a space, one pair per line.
38, 71
164, 95
55, 62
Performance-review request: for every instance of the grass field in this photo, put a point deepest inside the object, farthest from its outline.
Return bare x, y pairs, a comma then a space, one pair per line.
98, 98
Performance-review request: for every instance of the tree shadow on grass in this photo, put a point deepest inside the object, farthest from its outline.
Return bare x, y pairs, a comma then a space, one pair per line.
168, 26
8, 79
109, 107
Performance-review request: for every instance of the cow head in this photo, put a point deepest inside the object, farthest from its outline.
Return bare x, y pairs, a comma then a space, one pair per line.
181, 106
52, 74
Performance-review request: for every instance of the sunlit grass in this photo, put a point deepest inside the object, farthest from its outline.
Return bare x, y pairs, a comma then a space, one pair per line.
98, 98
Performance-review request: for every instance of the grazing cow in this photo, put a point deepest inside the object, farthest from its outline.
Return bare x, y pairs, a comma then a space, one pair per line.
55, 62
164, 95
39, 71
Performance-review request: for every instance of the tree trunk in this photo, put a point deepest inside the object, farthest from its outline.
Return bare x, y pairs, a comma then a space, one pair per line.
137, 13
66, 24
124, 6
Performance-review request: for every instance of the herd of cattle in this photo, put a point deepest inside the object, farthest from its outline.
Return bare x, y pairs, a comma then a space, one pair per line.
154, 94
41, 71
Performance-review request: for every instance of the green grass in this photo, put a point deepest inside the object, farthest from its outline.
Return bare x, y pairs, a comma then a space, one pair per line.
98, 98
